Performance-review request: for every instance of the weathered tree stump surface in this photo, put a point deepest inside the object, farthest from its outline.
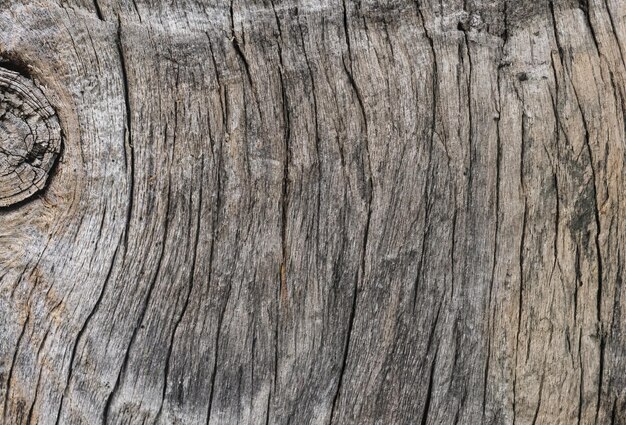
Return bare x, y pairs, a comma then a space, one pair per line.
312, 212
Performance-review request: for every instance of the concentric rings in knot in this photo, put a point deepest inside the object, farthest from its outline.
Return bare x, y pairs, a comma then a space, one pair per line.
30, 138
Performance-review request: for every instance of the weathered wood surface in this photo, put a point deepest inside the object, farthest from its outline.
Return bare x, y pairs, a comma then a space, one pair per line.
308, 211
30, 140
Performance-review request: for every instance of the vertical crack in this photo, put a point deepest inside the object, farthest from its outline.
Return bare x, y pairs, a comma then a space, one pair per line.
520, 306
360, 278
13, 361
429, 389
218, 333
129, 151
109, 401
81, 332
98, 10
189, 289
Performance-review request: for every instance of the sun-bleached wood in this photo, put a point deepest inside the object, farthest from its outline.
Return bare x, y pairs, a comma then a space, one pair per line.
30, 138
320, 212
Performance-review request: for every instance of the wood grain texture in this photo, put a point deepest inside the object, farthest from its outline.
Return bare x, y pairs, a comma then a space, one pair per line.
31, 138
319, 212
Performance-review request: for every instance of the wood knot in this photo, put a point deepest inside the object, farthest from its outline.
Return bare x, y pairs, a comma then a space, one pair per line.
30, 138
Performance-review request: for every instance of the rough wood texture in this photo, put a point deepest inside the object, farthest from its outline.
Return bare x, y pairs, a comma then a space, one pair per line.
319, 212
30, 140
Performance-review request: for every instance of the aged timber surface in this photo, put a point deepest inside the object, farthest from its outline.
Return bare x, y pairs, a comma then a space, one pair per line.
30, 140
313, 212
